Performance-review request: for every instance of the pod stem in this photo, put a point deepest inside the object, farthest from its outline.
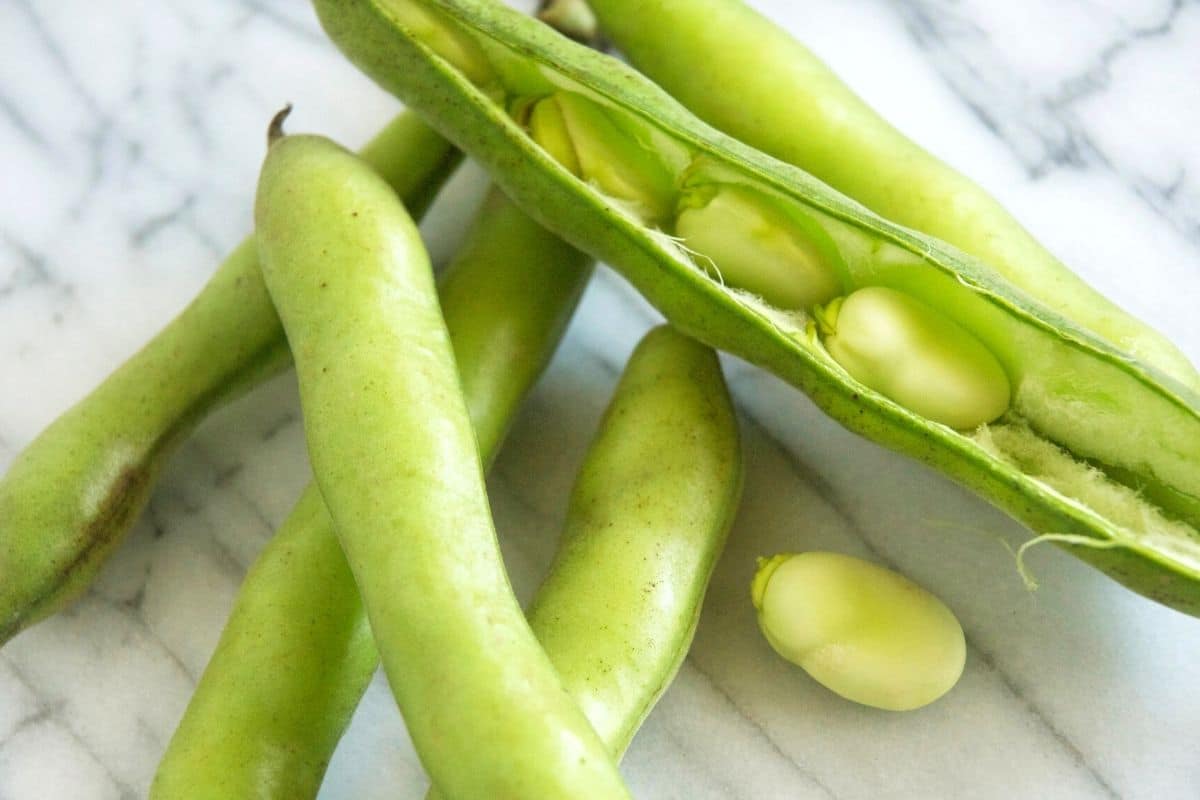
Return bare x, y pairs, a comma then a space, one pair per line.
275, 129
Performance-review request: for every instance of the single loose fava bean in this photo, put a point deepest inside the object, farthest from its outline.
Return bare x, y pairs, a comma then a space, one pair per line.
253, 729
1098, 444
752, 245
867, 633
71, 495
909, 352
396, 460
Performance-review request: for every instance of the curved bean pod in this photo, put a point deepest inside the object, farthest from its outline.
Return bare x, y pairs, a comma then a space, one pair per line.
297, 653
743, 74
71, 495
646, 523
648, 516
1094, 443
395, 458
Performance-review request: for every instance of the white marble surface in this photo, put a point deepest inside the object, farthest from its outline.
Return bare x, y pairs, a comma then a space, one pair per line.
130, 134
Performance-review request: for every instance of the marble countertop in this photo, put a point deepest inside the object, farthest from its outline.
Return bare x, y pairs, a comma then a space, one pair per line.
130, 136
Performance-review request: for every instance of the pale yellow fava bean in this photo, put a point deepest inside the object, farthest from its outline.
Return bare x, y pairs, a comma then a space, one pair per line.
913, 354
753, 246
862, 631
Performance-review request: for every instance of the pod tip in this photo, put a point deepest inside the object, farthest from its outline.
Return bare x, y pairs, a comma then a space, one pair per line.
275, 129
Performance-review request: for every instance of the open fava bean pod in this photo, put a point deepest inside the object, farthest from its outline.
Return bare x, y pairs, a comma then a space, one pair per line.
745, 75
897, 335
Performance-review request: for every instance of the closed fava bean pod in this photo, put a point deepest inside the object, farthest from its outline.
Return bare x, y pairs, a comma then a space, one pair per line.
395, 457
297, 654
648, 516
1093, 444
71, 495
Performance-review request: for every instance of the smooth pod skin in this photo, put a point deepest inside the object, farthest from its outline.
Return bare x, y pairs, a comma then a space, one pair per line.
297, 653
71, 495
907, 351
1094, 439
647, 520
395, 457
743, 74
869, 634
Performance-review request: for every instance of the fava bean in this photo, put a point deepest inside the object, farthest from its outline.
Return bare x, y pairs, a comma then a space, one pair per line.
753, 245
862, 631
909, 352
587, 142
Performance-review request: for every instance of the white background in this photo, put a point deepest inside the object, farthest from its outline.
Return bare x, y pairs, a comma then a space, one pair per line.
130, 135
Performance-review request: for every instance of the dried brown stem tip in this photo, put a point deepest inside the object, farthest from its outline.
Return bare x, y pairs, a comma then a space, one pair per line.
275, 129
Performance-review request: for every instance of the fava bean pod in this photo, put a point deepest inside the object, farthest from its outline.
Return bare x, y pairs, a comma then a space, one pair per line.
1091, 443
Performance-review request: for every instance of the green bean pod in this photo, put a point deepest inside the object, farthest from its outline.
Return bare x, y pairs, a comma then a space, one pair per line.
1093, 444
297, 653
745, 75
647, 520
71, 495
646, 523
395, 457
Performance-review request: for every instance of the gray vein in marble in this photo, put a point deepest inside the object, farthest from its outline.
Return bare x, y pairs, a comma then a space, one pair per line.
146, 231
43, 713
828, 494
153, 516
760, 731
56, 54
95, 140
223, 479
182, 216
52, 716
1099, 75
285, 421
143, 627
962, 53
10, 111
1042, 131
32, 272
265, 10
227, 558
259, 516
727, 789
226, 475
